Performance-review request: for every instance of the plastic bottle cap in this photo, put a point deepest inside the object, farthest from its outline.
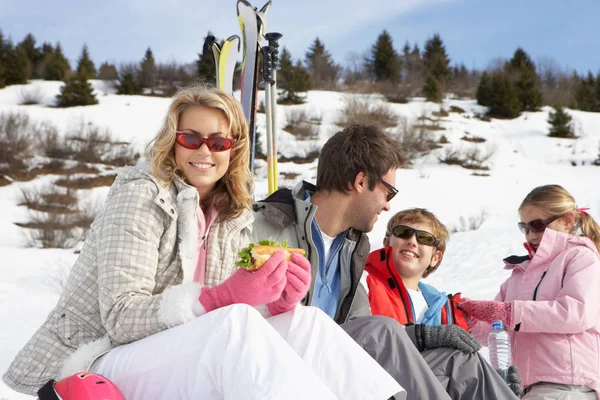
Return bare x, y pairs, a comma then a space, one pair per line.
497, 325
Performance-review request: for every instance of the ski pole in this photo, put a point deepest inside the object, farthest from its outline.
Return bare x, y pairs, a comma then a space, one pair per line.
273, 38
268, 81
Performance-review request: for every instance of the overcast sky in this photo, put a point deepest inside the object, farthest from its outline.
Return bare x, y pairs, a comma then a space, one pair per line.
475, 31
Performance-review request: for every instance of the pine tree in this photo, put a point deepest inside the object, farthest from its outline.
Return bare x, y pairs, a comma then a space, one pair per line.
3, 54
34, 55
484, 90
384, 62
76, 92
128, 84
584, 92
205, 65
432, 89
527, 81
108, 72
560, 122
436, 60
505, 101
85, 65
320, 65
147, 78
16, 65
293, 79
57, 67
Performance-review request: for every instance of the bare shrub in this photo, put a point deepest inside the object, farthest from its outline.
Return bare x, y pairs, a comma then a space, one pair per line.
90, 144
30, 95
17, 134
51, 231
365, 111
475, 158
468, 157
398, 93
415, 141
302, 125
50, 199
471, 223
451, 156
56, 229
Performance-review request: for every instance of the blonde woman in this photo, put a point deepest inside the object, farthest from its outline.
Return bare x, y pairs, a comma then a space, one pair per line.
156, 304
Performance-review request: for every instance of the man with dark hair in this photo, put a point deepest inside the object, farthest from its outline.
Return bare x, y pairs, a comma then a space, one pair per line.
356, 175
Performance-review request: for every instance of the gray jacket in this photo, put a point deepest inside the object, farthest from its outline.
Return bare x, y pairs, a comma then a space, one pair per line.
286, 216
132, 279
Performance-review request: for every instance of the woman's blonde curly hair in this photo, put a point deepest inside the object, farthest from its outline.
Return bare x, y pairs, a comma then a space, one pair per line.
232, 194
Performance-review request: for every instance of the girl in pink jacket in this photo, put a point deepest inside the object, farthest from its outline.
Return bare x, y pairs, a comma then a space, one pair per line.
551, 302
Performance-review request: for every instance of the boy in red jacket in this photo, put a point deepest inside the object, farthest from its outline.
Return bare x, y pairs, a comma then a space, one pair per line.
415, 243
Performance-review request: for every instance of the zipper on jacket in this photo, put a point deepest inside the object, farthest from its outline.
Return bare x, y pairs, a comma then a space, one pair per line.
452, 308
572, 362
408, 315
538, 285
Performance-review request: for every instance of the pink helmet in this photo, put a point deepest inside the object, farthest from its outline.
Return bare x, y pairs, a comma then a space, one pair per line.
81, 386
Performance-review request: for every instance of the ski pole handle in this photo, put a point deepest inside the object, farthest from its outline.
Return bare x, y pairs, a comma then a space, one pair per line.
267, 76
273, 38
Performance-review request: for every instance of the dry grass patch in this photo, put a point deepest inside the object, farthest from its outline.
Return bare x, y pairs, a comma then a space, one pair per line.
307, 159
302, 125
86, 182
367, 112
473, 139
49, 199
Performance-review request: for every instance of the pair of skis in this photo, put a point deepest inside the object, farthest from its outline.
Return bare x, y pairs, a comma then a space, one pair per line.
252, 23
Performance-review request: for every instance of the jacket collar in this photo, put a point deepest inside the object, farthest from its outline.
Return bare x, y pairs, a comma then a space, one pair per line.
553, 243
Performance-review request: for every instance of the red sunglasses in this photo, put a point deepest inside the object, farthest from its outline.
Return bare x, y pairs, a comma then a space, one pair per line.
194, 141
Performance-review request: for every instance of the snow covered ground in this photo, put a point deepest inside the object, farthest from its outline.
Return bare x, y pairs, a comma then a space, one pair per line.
523, 157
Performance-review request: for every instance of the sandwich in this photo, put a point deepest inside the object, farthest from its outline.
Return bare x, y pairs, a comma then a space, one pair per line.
253, 257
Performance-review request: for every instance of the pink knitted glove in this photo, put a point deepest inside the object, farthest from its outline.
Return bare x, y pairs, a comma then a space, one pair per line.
252, 288
487, 311
298, 282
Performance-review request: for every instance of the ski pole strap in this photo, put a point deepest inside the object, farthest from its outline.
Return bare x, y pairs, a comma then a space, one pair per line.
47, 391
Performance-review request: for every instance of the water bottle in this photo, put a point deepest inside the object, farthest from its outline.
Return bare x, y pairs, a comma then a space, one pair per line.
499, 346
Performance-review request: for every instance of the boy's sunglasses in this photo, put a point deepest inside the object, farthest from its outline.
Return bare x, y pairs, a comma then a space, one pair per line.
194, 141
537, 225
423, 237
391, 191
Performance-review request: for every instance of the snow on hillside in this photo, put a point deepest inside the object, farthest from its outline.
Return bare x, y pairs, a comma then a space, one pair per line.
523, 157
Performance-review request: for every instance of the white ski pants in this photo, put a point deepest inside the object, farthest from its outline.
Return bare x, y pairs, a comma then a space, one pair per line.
235, 353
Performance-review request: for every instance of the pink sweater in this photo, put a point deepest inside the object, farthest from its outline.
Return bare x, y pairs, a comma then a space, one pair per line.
204, 224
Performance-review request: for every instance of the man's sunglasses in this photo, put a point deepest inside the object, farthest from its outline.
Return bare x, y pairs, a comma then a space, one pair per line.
391, 191
194, 141
537, 225
423, 237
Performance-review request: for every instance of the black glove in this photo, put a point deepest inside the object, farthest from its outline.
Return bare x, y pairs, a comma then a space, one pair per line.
453, 336
514, 380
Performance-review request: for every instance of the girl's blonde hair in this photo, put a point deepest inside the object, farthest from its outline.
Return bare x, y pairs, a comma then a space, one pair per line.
554, 200
232, 193
421, 216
